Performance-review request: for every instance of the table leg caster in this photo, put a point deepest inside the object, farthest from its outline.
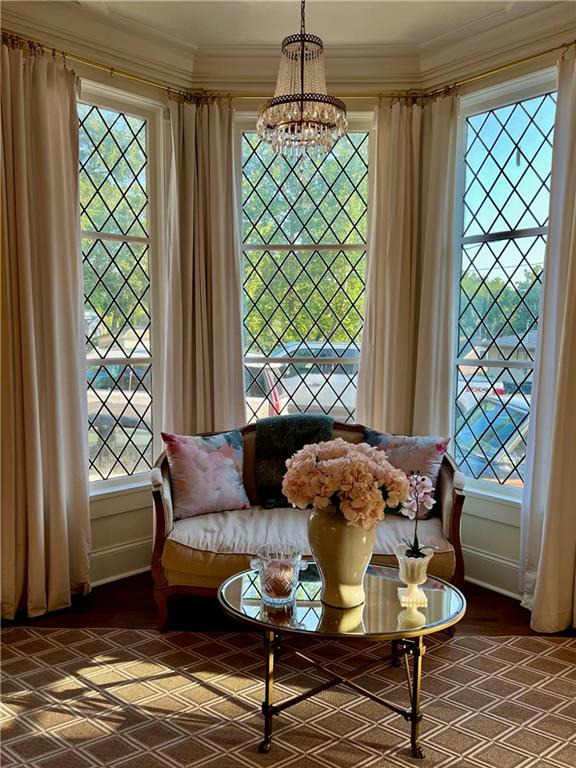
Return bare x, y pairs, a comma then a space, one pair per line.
417, 751
265, 745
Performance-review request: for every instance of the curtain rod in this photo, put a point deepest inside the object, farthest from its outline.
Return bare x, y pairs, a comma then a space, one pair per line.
16, 39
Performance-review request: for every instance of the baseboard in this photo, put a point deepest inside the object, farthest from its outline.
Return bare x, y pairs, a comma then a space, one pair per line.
120, 560
494, 572
119, 576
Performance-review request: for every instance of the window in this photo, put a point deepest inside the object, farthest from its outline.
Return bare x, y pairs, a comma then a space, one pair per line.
116, 241
304, 233
507, 161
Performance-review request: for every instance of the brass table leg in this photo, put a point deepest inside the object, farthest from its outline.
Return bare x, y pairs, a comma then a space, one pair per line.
415, 714
272, 646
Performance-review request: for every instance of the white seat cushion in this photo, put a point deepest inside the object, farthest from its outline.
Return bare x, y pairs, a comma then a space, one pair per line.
203, 551
242, 531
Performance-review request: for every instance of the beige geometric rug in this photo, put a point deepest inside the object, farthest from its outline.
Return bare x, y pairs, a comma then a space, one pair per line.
139, 699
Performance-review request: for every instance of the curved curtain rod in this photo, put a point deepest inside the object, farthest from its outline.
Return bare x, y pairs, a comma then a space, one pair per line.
15, 39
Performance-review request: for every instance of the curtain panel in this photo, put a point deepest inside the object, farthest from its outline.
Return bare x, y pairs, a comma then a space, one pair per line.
203, 371
548, 556
45, 519
405, 377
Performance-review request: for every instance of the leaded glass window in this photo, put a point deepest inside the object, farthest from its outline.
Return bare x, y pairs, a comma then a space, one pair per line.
508, 156
304, 230
115, 230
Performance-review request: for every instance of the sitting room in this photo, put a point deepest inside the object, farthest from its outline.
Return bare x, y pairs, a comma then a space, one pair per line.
288, 324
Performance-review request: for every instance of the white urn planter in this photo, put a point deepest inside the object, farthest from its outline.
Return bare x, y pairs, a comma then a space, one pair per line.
413, 572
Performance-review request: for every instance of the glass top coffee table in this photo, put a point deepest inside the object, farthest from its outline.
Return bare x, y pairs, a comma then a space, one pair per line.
380, 617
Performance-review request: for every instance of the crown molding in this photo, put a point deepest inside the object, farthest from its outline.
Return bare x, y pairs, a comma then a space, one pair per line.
170, 64
450, 58
136, 48
347, 68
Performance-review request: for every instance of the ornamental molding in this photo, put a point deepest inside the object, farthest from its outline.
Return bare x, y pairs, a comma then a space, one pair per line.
135, 47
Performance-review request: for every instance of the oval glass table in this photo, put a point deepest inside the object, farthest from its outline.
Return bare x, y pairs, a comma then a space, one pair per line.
380, 617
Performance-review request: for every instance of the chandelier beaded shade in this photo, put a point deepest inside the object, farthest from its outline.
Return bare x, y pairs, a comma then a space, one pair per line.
302, 119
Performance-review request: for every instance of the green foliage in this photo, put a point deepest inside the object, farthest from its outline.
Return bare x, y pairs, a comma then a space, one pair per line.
496, 307
114, 200
302, 294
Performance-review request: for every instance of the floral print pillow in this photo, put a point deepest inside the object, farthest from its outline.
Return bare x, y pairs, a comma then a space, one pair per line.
206, 473
412, 454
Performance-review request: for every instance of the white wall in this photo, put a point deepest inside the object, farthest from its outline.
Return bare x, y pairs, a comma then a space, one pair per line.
491, 542
122, 529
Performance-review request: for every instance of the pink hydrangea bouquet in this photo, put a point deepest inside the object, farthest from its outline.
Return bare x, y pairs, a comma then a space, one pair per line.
420, 492
356, 478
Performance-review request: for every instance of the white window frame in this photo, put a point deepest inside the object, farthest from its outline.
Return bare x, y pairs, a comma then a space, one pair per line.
153, 112
511, 91
246, 121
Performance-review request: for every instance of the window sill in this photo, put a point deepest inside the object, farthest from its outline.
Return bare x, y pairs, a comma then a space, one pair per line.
479, 490
104, 489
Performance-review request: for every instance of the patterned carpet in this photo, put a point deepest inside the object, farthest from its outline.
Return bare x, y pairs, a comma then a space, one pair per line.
139, 699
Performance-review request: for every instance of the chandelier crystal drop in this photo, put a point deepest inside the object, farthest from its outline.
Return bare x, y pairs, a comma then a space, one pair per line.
302, 119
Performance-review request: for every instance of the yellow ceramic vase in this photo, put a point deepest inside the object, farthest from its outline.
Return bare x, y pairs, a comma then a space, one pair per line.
342, 553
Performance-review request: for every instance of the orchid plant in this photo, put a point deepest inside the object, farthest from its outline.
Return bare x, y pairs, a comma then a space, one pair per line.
420, 492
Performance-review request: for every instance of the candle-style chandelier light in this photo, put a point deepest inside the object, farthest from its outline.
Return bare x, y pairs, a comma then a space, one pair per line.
302, 119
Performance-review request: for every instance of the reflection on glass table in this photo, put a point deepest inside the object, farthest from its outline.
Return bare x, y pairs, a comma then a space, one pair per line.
379, 616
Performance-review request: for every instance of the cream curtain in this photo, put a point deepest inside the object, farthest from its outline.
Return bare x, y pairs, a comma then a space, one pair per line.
404, 381
434, 373
203, 372
386, 373
45, 518
548, 559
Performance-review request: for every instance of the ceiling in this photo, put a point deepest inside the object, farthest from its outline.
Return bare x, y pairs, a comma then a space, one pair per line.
233, 45
204, 23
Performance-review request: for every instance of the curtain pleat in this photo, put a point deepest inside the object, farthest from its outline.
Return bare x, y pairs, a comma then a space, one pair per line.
405, 373
203, 371
436, 309
44, 487
548, 529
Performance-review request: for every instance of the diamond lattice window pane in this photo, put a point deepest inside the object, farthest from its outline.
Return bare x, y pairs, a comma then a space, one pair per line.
119, 420
113, 168
302, 296
508, 161
305, 203
492, 411
114, 206
500, 291
304, 304
117, 298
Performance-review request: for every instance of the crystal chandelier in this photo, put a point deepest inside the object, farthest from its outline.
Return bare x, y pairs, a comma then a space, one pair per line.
302, 119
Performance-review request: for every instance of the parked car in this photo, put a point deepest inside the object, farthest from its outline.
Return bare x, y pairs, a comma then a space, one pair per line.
265, 394
472, 389
490, 439
320, 384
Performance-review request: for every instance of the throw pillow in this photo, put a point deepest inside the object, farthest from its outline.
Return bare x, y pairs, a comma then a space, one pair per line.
412, 454
277, 439
206, 473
